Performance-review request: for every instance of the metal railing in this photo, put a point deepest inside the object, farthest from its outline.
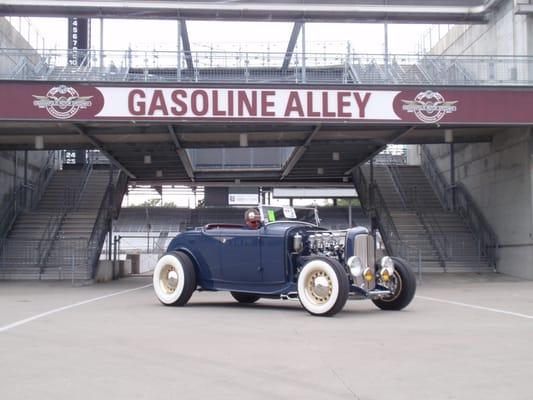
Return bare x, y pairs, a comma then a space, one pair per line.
26, 196
261, 66
100, 228
12, 209
435, 177
109, 208
392, 169
72, 196
375, 206
17, 258
459, 199
432, 227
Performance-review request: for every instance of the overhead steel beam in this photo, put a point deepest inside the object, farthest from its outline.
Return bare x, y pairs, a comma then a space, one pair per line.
523, 9
98, 145
290, 47
232, 183
186, 44
395, 139
339, 11
298, 153
182, 153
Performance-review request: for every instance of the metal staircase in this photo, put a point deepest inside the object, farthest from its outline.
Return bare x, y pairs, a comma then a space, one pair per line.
425, 229
63, 236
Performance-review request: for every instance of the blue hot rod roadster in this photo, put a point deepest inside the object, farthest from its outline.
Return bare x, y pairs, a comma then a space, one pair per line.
282, 252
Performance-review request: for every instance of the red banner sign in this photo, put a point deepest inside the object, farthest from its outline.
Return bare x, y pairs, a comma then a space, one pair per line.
350, 104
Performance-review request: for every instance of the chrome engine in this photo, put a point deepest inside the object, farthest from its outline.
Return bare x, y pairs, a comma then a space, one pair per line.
328, 243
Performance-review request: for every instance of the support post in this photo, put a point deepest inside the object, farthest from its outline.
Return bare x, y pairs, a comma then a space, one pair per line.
101, 43
386, 49
350, 214
304, 72
114, 274
452, 173
178, 60
109, 241
25, 198
15, 170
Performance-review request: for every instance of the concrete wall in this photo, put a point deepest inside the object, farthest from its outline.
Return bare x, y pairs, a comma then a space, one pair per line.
505, 34
12, 170
11, 39
499, 176
12, 162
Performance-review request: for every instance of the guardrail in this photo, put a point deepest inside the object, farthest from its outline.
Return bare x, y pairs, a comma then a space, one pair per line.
267, 67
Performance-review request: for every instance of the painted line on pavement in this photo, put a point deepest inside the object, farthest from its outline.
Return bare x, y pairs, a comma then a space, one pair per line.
64, 308
495, 310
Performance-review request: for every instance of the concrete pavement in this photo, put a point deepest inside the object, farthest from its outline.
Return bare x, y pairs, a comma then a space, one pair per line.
466, 337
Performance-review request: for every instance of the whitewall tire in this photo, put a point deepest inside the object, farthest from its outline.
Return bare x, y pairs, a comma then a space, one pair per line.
174, 279
323, 286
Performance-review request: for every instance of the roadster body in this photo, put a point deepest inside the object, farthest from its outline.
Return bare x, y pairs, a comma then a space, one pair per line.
282, 252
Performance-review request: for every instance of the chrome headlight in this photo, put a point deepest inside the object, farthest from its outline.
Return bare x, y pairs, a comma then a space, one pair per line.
387, 268
356, 266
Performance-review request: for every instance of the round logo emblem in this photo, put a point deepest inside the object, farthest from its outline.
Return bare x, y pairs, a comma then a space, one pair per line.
429, 106
62, 102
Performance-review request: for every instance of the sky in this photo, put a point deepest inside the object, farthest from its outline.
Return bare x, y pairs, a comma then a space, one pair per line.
253, 36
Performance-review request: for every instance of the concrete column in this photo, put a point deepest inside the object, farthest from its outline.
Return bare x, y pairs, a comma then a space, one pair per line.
529, 240
15, 169
25, 178
452, 173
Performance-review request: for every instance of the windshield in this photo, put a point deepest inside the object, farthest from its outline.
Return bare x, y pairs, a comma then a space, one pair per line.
287, 213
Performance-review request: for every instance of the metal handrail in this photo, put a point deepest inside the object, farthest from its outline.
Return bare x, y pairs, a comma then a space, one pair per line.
470, 212
12, 209
431, 225
435, 177
43, 179
73, 198
394, 173
458, 197
98, 233
372, 200
26, 196
406, 69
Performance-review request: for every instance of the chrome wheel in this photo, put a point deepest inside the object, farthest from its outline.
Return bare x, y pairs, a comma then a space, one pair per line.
168, 279
402, 285
174, 279
395, 286
323, 286
319, 287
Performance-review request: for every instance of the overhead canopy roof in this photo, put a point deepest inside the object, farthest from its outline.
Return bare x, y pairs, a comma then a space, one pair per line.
128, 144
467, 11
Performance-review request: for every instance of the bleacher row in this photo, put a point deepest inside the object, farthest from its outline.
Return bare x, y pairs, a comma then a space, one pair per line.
160, 219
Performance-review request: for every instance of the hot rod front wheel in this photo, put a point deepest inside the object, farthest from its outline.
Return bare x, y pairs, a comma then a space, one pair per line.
174, 279
403, 285
323, 286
